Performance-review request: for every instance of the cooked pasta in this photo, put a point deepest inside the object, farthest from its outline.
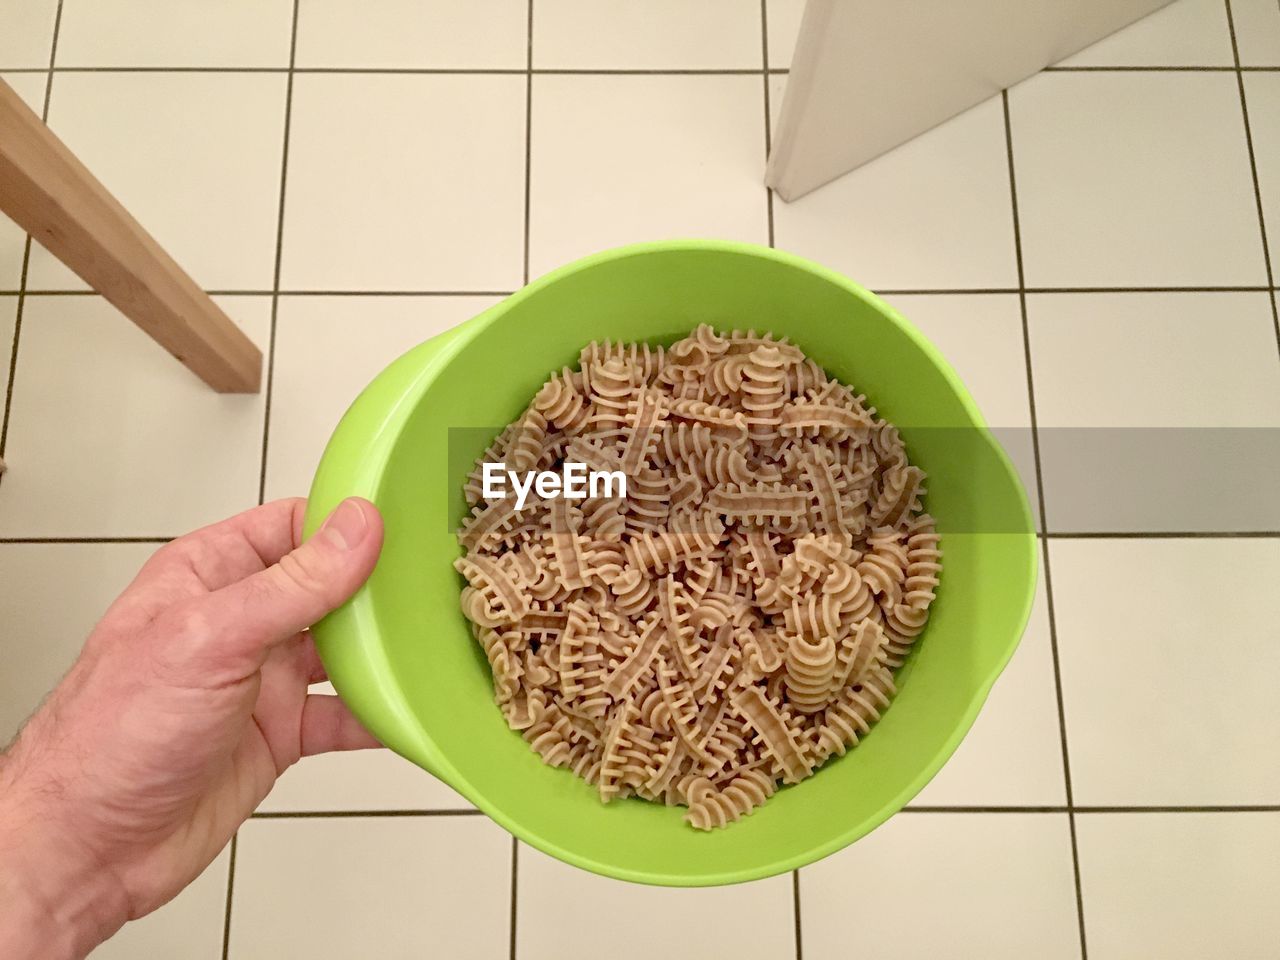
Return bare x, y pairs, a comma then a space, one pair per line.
734, 619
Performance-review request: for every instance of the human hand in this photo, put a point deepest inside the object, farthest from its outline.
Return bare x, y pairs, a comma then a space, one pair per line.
187, 702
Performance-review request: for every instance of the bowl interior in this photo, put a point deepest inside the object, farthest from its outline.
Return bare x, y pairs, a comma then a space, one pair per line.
424, 685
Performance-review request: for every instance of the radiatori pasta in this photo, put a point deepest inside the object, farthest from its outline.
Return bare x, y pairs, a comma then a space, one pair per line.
736, 618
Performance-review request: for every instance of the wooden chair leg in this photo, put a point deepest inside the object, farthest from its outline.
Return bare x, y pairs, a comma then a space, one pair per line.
50, 194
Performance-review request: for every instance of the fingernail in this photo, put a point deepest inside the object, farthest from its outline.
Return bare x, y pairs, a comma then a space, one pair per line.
346, 526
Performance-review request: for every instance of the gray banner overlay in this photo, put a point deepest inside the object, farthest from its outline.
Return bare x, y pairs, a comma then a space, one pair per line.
1094, 480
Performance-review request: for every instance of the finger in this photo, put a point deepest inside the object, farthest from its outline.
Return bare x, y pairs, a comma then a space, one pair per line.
244, 620
316, 673
327, 725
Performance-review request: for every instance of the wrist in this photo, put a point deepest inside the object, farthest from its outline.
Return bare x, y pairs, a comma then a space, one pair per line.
57, 902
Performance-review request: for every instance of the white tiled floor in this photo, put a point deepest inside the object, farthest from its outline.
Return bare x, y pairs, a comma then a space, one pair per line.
622, 158
1180, 886
378, 161
658, 34
405, 190
995, 885
658, 922
1110, 192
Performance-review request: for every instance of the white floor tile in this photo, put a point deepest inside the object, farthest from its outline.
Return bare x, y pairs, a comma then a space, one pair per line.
1257, 32
935, 212
405, 182
622, 159
395, 888
359, 780
981, 336
195, 157
1262, 91
1013, 754
784, 25
1129, 382
110, 436
655, 35
187, 927
1169, 696
26, 33
30, 87
1154, 360
1187, 33
959, 886
1134, 179
569, 914
328, 349
53, 595
448, 34
1180, 886
177, 33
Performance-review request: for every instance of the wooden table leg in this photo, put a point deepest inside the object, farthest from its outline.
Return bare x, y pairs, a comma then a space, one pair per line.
51, 195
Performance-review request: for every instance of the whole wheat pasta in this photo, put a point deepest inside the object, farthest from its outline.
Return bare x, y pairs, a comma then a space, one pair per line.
734, 620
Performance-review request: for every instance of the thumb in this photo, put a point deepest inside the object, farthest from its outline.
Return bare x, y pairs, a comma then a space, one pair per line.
275, 604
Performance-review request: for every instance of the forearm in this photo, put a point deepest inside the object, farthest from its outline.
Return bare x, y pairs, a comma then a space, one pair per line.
53, 902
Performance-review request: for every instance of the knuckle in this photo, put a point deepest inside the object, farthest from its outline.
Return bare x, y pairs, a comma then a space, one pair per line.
305, 572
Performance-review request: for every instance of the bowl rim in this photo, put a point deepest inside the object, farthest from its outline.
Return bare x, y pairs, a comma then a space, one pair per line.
370, 429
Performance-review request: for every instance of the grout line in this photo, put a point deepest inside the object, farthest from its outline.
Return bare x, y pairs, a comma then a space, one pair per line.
902, 291
968, 809
83, 540
421, 71
226, 912
949, 291
1041, 808
768, 122
288, 293
1189, 808
1221, 289
426, 71
1151, 69
13, 348
1044, 543
514, 897
395, 293
795, 912
1253, 169
1096, 808
655, 72
94, 293
270, 359
353, 814
528, 133
270, 364
515, 874
1164, 535
26, 253
1137, 68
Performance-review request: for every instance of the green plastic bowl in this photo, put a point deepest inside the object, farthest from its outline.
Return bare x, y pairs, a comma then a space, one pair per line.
401, 655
